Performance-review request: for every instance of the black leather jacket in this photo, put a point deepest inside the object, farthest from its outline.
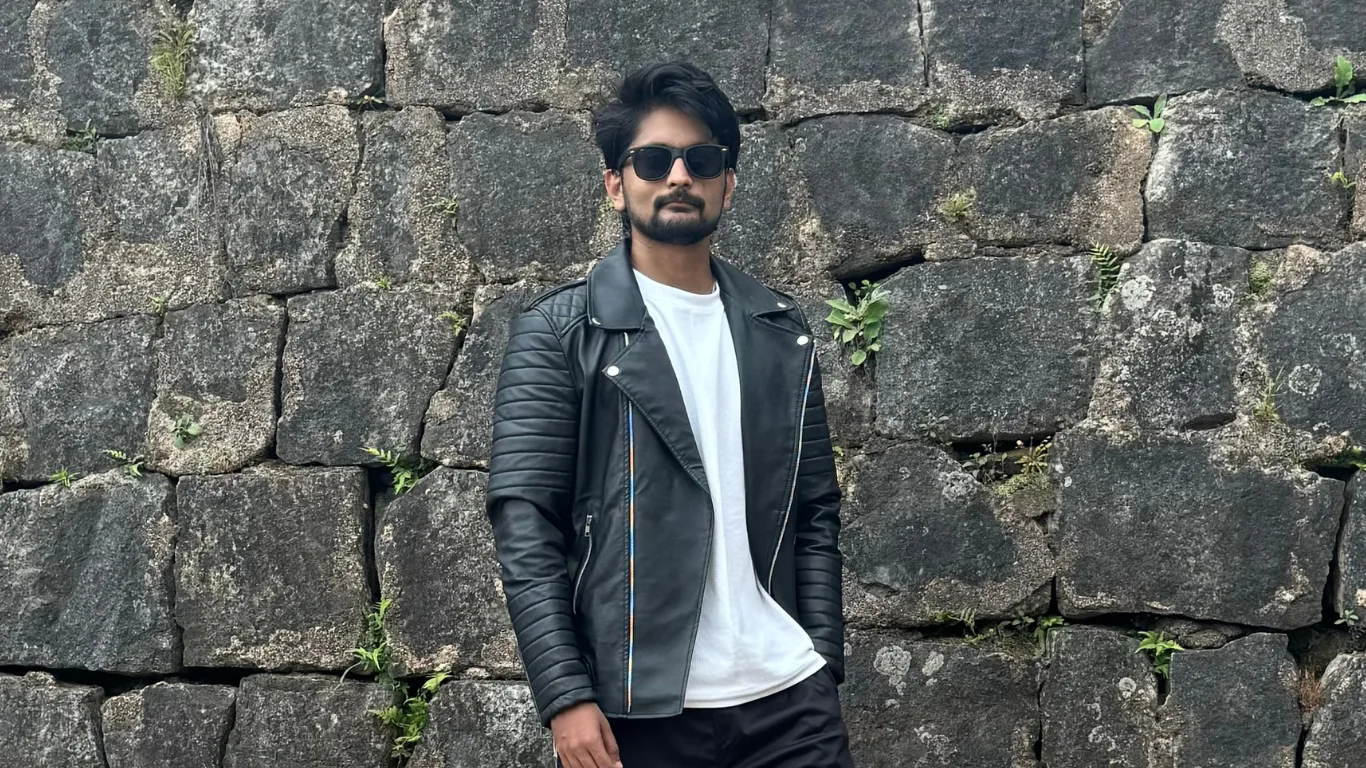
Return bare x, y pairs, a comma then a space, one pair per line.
599, 502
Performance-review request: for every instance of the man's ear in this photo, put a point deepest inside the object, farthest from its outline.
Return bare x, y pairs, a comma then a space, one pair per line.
729, 189
612, 181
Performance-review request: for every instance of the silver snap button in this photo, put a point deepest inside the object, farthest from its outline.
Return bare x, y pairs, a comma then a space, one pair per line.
612, 370
781, 305
596, 321
801, 340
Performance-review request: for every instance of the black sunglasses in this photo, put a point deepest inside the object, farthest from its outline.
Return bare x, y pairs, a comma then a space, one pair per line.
653, 161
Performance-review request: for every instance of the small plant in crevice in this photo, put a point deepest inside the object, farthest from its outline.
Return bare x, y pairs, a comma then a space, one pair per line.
1310, 690
367, 101
85, 140
131, 464
383, 282
62, 477
940, 118
1339, 178
171, 55
1343, 83
449, 206
159, 304
184, 429
1160, 648
1154, 119
1259, 278
967, 617
405, 470
457, 321
1105, 267
407, 715
1033, 465
1265, 409
859, 325
959, 205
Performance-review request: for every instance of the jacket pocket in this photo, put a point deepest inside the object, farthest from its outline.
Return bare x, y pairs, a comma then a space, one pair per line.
587, 557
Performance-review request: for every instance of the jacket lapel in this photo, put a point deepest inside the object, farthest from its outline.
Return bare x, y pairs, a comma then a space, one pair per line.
774, 356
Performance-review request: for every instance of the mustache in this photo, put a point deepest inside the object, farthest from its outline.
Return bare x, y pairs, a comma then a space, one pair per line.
681, 198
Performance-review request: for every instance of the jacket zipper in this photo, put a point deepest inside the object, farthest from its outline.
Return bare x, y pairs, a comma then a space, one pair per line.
630, 540
587, 534
796, 466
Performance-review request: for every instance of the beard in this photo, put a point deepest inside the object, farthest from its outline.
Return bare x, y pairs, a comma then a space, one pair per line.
680, 227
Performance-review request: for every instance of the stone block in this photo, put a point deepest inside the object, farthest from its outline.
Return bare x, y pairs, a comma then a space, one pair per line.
93, 242
308, 720
474, 55
483, 725
1289, 45
398, 224
1099, 701
16, 66
217, 363
992, 348
87, 574
558, 198
1142, 49
1160, 525
921, 535
435, 556
1169, 337
1349, 589
49, 724
1354, 166
97, 52
1246, 168
46, 209
988, 60
266, 55
605, 40
1315, 340
75, 391
757, 234
360, 366
459, 419
168, 725
1337, 737
1076, 180
270, 567
856, 205
286, 179
937, 704
1236, 706
825, 58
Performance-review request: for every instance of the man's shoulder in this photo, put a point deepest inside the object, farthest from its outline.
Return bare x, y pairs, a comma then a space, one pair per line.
562, 304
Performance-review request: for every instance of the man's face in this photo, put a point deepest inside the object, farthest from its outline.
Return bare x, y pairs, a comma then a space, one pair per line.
678, 209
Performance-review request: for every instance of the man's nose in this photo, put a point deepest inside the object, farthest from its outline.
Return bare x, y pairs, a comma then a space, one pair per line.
678, 174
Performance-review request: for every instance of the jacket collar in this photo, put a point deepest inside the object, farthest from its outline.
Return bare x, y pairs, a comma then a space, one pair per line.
614, 301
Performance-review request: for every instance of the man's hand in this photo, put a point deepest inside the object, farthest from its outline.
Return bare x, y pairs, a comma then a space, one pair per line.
583, 739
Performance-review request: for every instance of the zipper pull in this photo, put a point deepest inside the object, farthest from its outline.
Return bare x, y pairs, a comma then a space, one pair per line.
588, 527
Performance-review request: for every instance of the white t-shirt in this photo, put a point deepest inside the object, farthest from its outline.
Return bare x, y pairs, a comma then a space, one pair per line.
747, 646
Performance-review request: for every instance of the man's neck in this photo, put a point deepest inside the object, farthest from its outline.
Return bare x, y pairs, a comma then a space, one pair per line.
685, 267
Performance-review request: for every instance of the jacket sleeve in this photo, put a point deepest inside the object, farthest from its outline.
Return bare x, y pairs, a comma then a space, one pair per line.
818, 560
529, 499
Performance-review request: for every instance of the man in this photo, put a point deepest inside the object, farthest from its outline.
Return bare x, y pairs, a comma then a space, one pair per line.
662, 488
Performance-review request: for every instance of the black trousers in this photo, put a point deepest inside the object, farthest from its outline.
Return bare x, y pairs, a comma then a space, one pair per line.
798, 727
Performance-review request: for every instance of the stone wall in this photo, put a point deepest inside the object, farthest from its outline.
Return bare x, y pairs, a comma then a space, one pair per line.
317, 248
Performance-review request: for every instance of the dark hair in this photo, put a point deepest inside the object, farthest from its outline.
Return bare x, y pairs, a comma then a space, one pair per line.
676, 84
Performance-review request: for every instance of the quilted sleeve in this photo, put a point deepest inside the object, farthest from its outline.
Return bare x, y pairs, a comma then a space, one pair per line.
529, 497
818, 559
